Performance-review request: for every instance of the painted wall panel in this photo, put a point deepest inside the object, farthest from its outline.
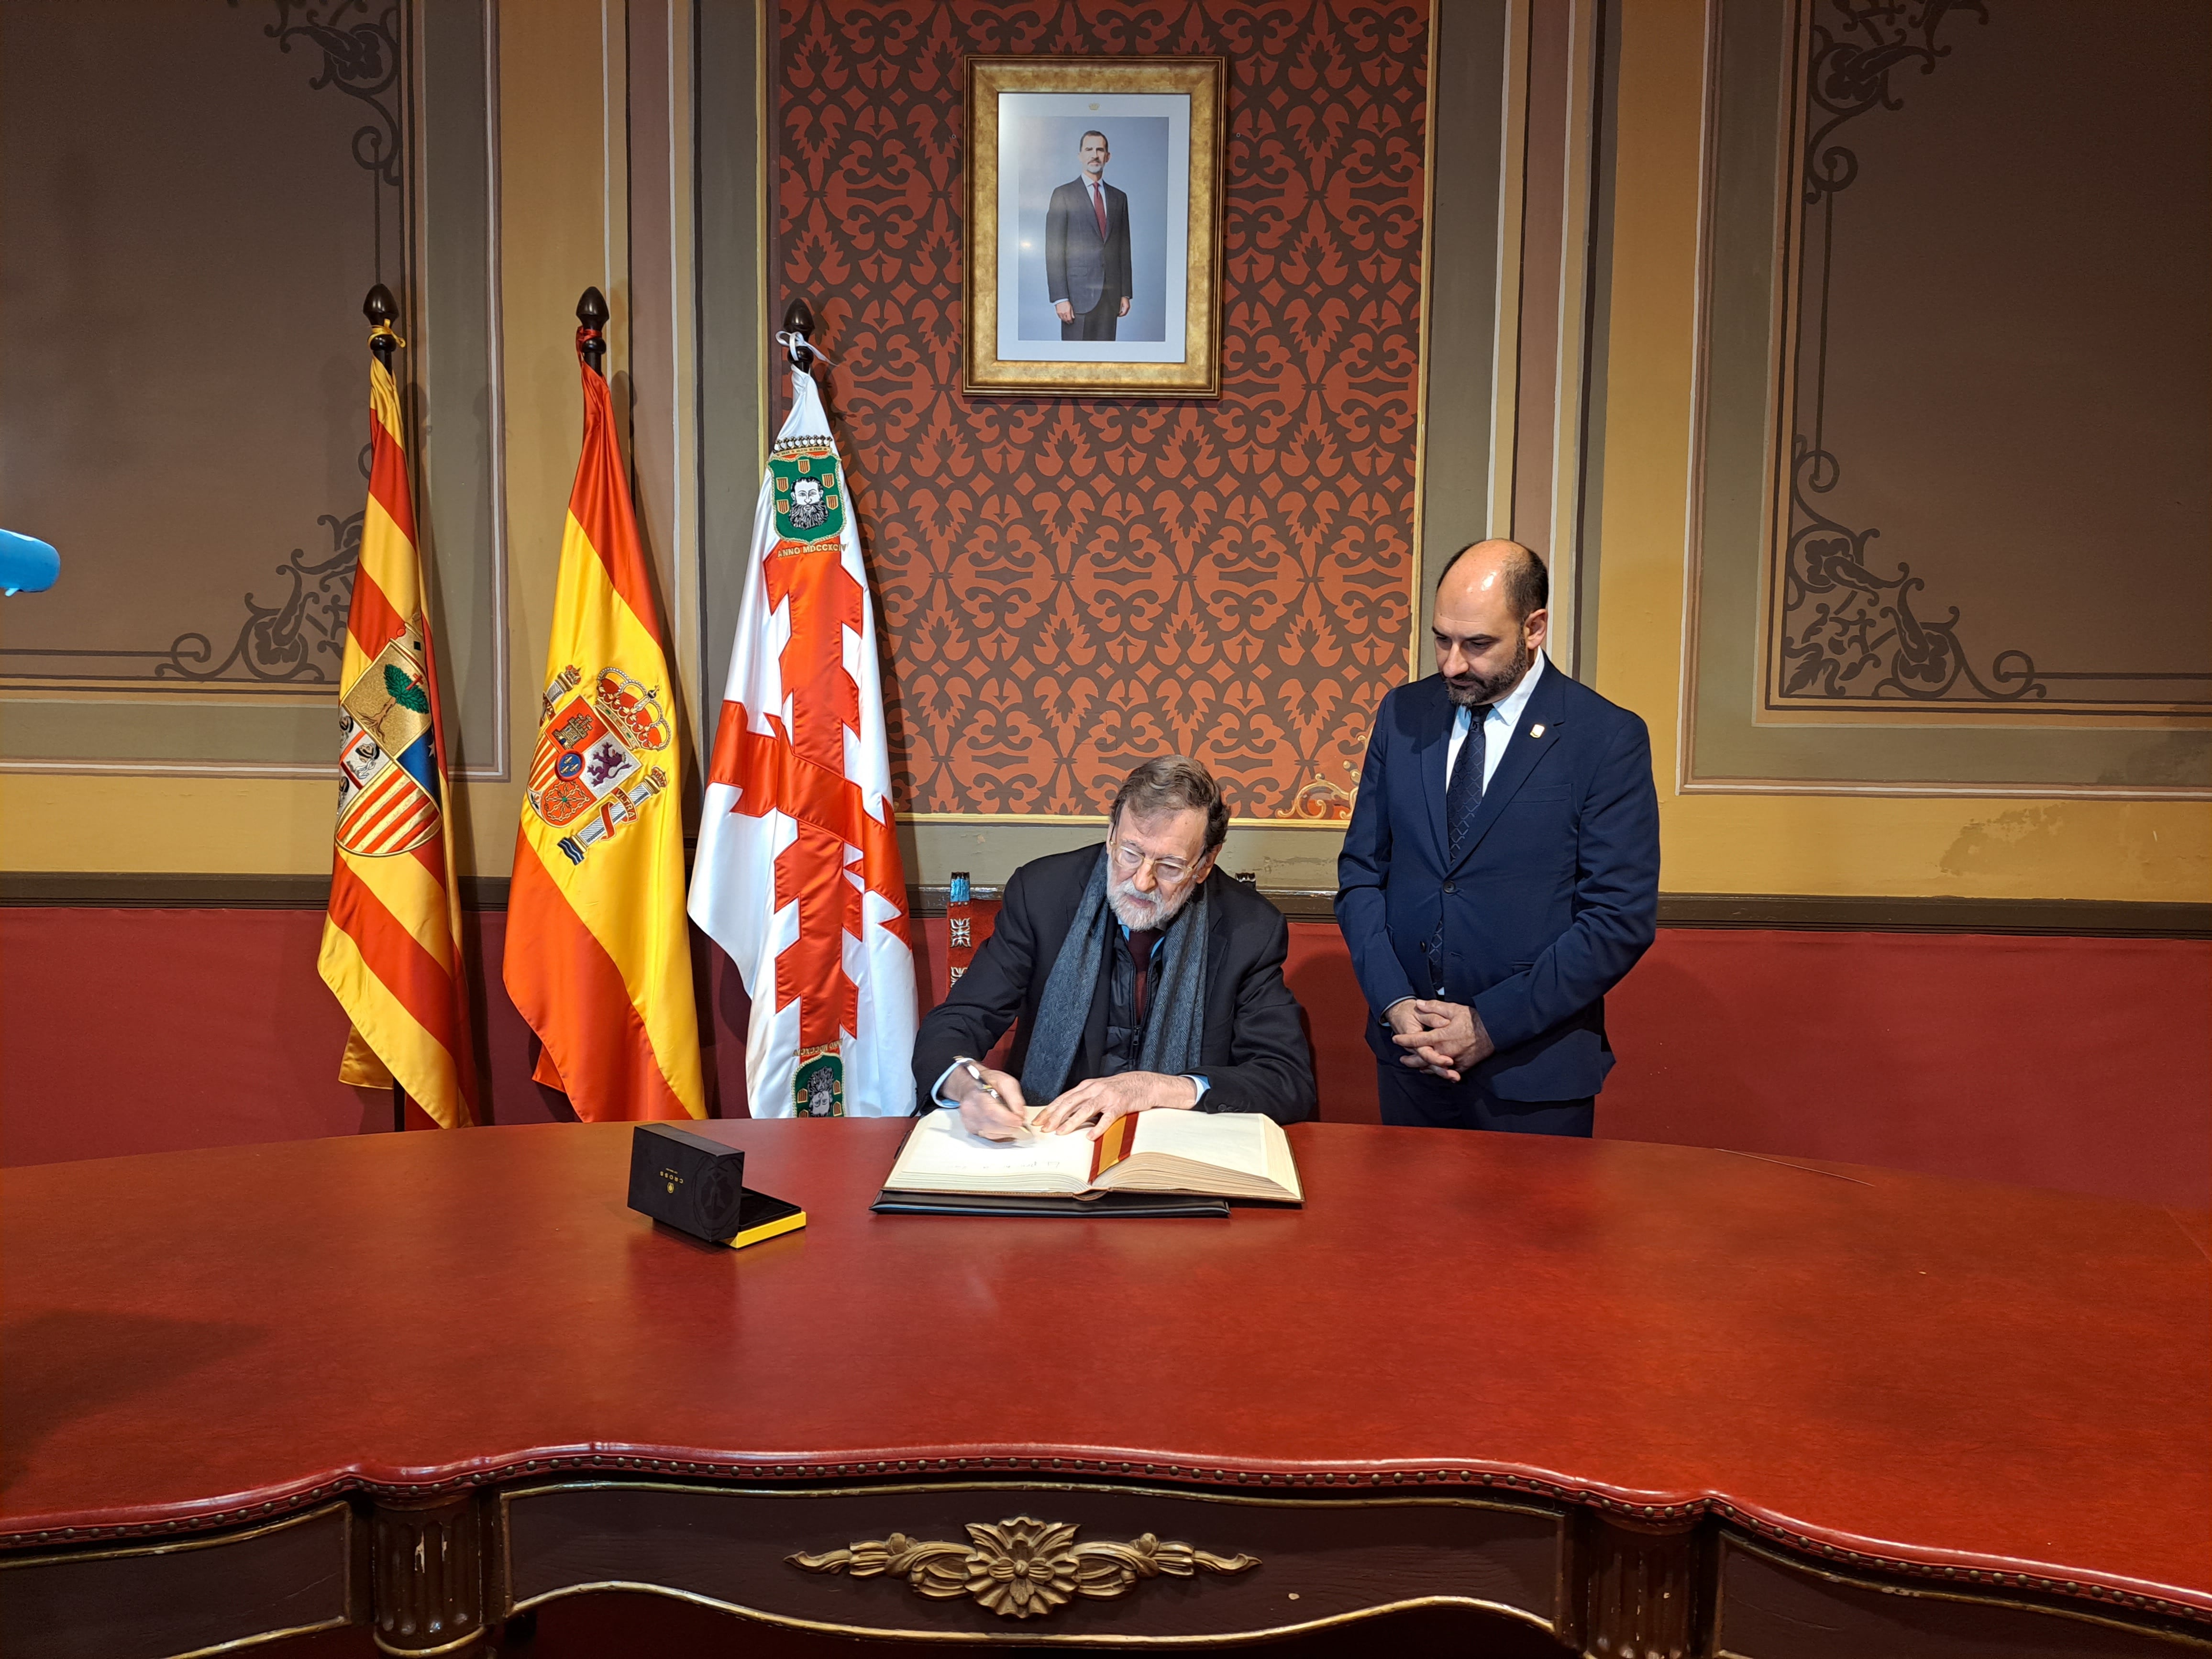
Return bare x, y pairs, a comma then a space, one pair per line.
198, 198
1653, 496
1925, 533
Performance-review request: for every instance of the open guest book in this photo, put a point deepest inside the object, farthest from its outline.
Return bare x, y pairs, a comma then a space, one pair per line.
1205, 1154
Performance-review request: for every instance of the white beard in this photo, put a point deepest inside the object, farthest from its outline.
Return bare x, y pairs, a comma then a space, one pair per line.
1135, 912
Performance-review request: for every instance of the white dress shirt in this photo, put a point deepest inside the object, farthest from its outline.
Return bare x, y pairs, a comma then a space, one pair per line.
1497, 725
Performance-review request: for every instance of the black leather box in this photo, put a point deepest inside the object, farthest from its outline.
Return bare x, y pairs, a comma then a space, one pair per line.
697, 1186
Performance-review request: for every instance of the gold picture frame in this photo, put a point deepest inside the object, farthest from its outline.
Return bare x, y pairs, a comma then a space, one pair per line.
1172, 114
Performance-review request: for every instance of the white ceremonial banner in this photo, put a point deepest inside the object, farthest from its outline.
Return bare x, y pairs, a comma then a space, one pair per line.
798, 878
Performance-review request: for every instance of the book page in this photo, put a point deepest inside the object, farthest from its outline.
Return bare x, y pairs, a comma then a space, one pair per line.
940, 1156
1229, 1154
1282, 1167
1227, 1140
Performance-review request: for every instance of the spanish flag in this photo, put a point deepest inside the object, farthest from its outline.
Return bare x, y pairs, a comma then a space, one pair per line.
598, 955
391, 943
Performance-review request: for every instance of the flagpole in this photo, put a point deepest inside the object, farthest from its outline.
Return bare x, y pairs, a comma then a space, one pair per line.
383, 312
592, 313
797, 327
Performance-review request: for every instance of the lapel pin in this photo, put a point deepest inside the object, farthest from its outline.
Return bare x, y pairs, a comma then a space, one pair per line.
1537, 730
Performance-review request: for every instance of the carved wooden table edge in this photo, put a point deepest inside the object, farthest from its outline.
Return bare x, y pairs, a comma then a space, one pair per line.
1639, 1578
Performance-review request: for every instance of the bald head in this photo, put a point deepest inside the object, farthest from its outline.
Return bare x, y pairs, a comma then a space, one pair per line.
1490, 619
1505, 566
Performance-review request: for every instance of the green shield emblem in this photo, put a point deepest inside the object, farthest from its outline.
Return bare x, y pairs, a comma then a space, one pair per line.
817, 1087
810, 504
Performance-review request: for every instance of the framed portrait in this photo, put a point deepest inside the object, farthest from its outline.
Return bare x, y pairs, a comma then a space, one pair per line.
1094, 226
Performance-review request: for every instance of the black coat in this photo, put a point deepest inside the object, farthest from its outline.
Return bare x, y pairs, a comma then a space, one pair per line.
1253, 1054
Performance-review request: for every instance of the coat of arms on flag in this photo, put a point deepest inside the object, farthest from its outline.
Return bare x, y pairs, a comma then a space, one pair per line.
591, 763
388, 760
817, 1087
809, 506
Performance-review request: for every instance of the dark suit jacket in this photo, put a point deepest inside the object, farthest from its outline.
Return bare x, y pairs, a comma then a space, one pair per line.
1080, 266
1253, 1052
1551, 902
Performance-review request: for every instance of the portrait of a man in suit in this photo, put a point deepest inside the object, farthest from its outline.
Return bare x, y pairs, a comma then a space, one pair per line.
1086, 247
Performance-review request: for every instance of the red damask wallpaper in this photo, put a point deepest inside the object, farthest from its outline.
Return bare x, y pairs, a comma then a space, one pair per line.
1071, 585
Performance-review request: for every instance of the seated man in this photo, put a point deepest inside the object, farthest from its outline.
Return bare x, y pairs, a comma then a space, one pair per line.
1144, 980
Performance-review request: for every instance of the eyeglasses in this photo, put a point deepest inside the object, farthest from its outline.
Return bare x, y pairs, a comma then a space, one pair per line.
1128, 861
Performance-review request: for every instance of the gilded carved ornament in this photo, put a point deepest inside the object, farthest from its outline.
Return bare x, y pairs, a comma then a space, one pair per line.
1021, 1568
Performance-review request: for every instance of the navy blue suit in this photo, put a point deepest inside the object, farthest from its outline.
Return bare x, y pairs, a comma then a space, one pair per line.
1552, 899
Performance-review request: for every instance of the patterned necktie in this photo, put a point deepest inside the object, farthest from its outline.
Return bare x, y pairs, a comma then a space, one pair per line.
1463, 794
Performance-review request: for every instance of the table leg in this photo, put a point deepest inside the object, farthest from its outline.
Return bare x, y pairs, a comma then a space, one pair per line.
428, 1584
1644, 1590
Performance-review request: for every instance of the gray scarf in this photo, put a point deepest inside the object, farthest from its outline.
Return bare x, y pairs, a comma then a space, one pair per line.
1176, 1024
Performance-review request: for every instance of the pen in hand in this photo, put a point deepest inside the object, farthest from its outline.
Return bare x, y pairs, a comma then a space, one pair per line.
977, 1072
1025, 1117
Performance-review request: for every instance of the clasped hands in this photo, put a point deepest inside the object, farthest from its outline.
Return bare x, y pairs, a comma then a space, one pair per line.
1096, 1102
1444, 1039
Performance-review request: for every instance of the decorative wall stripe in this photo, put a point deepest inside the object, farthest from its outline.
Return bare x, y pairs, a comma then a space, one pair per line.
1780, 912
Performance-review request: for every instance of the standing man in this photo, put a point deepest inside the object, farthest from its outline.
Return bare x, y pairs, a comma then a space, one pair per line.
1087, 248
1138, 977
1501, 871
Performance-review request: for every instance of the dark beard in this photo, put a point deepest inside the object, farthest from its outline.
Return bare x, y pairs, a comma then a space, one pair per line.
1477, 691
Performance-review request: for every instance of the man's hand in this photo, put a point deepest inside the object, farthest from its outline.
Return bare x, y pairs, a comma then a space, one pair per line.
1125, 307
1406, 1023
1067, 311
1003, 1119
1102, 1099
1445, 1039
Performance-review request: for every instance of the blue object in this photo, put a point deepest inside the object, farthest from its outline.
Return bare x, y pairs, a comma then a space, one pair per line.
26, 564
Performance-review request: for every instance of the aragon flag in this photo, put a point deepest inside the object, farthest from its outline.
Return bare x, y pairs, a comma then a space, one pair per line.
598, 957
799, 877
392, 942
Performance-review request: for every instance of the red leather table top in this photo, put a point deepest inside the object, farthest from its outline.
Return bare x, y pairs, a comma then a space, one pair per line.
1916, 1369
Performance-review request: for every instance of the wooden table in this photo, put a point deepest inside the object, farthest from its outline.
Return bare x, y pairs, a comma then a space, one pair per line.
1657, 1400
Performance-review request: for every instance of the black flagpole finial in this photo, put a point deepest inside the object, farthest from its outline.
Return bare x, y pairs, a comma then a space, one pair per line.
383, 313
798, 324
592, 333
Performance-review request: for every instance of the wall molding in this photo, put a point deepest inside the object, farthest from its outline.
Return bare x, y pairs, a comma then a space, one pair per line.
1771, 912
1812, 913
131, 890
